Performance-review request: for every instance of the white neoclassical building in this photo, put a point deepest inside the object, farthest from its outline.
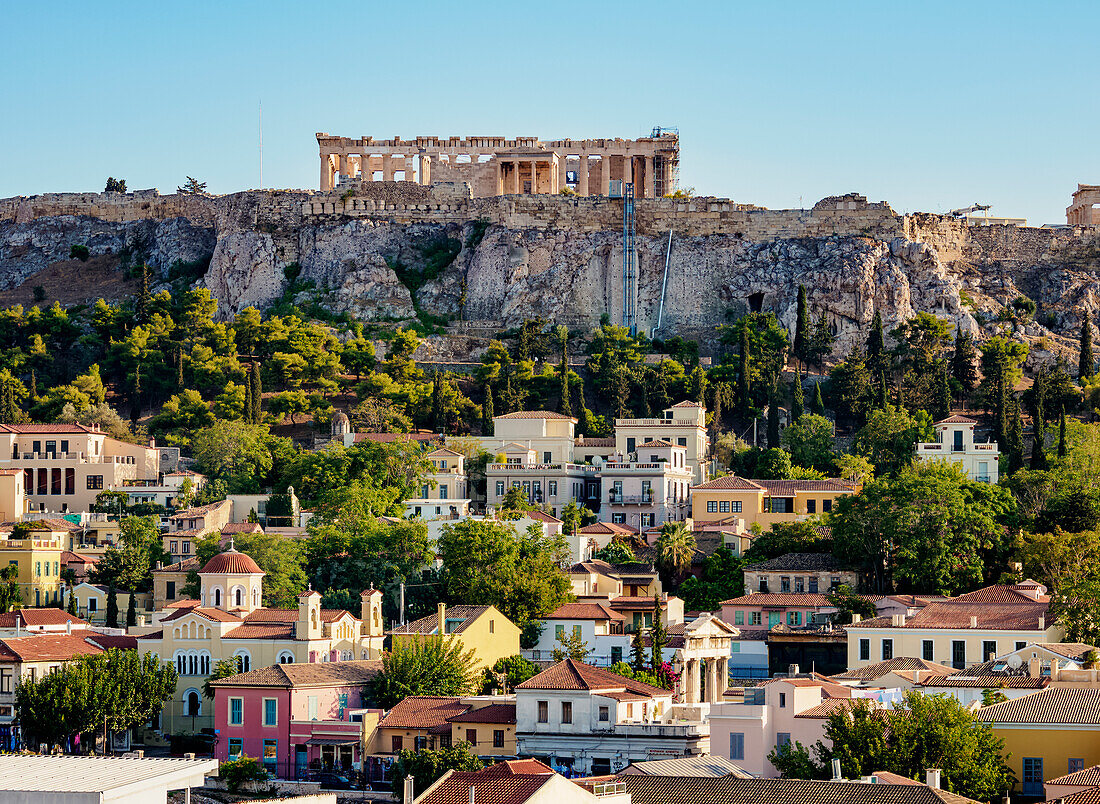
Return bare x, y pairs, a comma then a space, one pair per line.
955, 442
702, 656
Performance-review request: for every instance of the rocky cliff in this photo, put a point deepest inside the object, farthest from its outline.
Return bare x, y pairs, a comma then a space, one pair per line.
398, 251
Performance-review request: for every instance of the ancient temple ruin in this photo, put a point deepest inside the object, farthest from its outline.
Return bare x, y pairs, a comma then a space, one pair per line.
494, 166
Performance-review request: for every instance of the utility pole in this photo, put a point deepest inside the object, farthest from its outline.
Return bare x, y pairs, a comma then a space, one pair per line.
402, 603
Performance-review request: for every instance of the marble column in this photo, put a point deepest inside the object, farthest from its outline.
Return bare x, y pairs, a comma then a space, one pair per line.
712, 681
693, 681
534, 177
582, 174
649, 177
562, 179
515, 177
628, 171
344, 170
326, 172
387, 167
605, 175
723, 677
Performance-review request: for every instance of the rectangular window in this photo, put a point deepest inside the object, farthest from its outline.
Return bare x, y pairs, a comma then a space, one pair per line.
5, 680
605, 714
1021, 645
648, 520
927, 650
813, 585
737, 745
782, 700
618, 519
64, 446
887, 649
630, 444
559, 632
498, 738
616, 654
471, 736
865, 650
794, 618
93, 604
271, 755
989, 649
566, 711
55, 481
739, 617
958, 654
712, 506
236, 747
37, 447
799, 585
784, 584
186, 547
552, 486
170, 590
51, 448
236, 711
811, 506
736, 506
500, 488
735, 647
724, 506
576, 632
442, 492
312, 704
755, 618
444, 740
544, 711
395, 745
95, 481
826, 506
1076, 765
70, 481
271, 712
782, 738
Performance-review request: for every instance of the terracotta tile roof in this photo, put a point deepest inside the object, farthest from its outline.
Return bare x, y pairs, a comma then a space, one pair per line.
49, 428
34, 618
493, 713
733, 790
444, 451
571, 674
730, 483
799, 562
152, 635
202, 510
1060, 705
1000, 593
987, 682
604, 528
596, 566
11, 472
785, 487
47, 648
542, 516
306, 674
429, 624
503, 783
879, 669
422, 712
1071, 650
885, 777
270, 615
112, 641
186, 565
217, 615
998, 608
594, 442
1088, 776
703, 765
1089, 796
231, 563
656, 444
51, 525
242, 527
827, 707
956, 420
536, 414
780, 600
584, 611
632, 603
69, 557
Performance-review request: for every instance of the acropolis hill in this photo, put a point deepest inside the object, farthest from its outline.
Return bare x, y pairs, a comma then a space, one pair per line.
525, 254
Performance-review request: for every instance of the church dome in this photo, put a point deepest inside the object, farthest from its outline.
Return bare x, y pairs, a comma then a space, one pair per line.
231, 563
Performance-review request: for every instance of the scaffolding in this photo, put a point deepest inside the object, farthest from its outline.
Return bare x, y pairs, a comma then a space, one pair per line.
666, 170
630, 262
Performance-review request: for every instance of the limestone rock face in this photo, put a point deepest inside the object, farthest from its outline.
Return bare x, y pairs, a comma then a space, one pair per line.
244, 272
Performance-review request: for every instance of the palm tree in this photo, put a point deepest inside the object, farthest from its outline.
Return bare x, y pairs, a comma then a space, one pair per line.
675, 549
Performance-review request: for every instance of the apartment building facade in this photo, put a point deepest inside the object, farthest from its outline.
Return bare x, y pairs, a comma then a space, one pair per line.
684, 424
955, 443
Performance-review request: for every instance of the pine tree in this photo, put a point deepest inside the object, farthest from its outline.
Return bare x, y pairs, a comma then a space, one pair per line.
112, 607
773, 419
798, 398
637, 651
583, 414
131, 611
1062, 435
943, 394
179, 372
876, 345
698, 384
506, 398
964, 361
622, 390
34, 386
658, 637
818, 404
257, 394
1015, 439
141, 303
487, 411
1084, 363
744, 397
802, 326
247, 413
9, 411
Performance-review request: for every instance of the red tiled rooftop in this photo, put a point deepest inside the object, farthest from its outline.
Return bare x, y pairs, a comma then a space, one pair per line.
422, 712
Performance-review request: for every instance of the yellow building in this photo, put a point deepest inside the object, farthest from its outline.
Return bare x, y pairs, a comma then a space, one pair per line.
168, 581
764, 502
420, 722
1047, 734
482, 629
186, 526
491, 730
960, 631
36, 551
228, 621
13, 497
91, 603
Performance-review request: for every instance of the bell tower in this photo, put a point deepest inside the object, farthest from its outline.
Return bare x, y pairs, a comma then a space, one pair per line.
309, 616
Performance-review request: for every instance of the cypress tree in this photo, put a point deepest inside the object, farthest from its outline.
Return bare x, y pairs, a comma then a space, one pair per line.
1015, 439
487, 411
141, 304
818, 404
876, 344
637, 651
622, 389
943, 394
582, 409
798, 398
1084, 362
699, 384
658, 636
247, 413
34, 385
179, 368
801, 326
716, 416
743, 389
1039, 426
71, 608
964, 362
112, 607
8, 410
437, 402
257, 394
773, 419
507, 399
565, 408
131, 611
1062, 435
881, 391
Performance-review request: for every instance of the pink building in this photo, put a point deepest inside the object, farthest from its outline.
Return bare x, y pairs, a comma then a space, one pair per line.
297, 717
771, 716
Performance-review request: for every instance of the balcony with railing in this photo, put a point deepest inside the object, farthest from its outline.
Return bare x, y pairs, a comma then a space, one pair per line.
511, 468
76, 457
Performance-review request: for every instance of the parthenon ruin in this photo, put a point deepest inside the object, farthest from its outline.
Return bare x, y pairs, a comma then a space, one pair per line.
495, 166
1085, 209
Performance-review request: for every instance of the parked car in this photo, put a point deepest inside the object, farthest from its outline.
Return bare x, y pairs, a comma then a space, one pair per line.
333, 781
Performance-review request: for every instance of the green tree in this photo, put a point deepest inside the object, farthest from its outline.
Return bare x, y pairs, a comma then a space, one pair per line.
486, 562
243, 455
848, 603
851, 386
804, 536
889, 435
964, 362
615, 553
571, 647
118, 689
115, 185
637, 650
798, 398
722, 579
1085, 361
877, 359
810, 442
675, 549
516, 670
11, 597
744, 377
255, 394
658, 637
427, 765
1062, 435
1069, 564
942, 405
802, 326
192, 187
223, 668
130, 563
773, 420
424, 666
112, 607
236, 772
818, 404
821, 343
131, 610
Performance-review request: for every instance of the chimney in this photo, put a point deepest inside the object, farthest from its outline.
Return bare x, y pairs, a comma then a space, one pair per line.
836, 771
932, 777
1055, 669
856, 617
68, 626
898, 620
792, 670
1042, 622
973, 620
408, 793
472, 791
189, 756
441, 618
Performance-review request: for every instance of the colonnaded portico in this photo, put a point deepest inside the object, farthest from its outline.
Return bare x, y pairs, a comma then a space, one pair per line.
494, 166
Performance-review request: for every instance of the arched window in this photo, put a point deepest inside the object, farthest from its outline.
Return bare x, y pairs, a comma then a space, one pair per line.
204, 663
192, 703
217, 597
286, 657
192, 665
181, 663
238, 596
244, 660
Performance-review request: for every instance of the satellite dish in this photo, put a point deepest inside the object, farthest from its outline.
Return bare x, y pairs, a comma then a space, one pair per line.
1015, 662
597, 461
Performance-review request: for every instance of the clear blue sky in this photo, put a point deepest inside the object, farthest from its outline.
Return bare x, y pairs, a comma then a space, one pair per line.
927, 105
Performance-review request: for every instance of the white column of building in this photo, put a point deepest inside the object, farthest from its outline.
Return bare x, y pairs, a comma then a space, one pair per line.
723, 677
515, 177
582, 175
326, 172
387, 167
712, 681
649, 186
534, 177
628, 170
605, 175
